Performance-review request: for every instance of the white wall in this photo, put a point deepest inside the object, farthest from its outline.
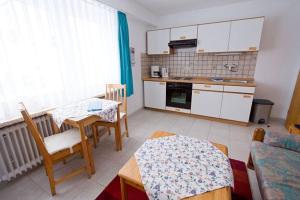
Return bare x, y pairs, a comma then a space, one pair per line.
278, 59
137, 37
132, 9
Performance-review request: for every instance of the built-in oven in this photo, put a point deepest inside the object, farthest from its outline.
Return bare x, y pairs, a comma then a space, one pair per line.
179, 95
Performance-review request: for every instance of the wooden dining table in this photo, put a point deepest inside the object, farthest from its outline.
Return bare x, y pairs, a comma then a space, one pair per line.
130, 175
82, 121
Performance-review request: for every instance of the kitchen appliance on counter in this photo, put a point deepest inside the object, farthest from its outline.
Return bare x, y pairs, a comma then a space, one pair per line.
179, 96
155, 71
164, 72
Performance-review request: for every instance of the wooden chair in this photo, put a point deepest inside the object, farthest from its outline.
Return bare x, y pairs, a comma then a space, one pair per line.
114, 92
56, 148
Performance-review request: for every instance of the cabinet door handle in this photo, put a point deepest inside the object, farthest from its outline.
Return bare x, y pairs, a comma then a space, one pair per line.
182, 37
165, 52
252, 48
196, 92
207, 86
162, 83
247, 96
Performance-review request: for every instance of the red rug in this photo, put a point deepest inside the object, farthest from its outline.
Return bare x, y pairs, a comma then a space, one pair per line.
241, 189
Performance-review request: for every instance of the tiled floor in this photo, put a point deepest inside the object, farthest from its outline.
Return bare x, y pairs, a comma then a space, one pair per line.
34, 185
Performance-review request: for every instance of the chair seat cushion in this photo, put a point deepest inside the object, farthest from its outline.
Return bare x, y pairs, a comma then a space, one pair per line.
277, 170
62, 141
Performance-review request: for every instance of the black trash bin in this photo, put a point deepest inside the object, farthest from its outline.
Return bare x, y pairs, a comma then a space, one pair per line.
261, 110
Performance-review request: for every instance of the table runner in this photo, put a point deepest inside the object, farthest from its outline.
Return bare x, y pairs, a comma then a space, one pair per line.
176, 167
106, 109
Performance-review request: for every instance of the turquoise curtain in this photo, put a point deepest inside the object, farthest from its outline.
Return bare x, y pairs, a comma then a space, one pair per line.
125, 64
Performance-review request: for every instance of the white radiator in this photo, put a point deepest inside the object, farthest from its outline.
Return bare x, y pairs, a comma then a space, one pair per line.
18, 150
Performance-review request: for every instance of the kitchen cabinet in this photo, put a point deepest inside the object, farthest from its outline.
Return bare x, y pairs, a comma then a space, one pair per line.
206, 103
155, 94
184, 33
157, 42
236, 106
245, 34
213, 37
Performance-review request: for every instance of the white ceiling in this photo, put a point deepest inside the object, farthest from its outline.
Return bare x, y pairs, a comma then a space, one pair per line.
165, 7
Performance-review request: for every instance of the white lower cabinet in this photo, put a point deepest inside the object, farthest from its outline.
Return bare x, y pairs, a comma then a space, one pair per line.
155, 94
236, 106
206, 103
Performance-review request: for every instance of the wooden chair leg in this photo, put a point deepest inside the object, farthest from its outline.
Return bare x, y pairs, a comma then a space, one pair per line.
109, 132
49, 170
46, 170
126, 126
95, 133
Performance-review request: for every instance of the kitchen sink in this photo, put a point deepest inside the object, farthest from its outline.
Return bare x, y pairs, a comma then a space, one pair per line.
217, 79
236, 81
182, 78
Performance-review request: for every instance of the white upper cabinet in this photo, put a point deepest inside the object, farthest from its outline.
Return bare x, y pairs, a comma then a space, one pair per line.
157, 41
184, 33
213, 37
245, 34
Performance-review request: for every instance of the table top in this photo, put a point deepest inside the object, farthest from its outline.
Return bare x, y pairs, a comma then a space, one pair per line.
83, 110
130, 172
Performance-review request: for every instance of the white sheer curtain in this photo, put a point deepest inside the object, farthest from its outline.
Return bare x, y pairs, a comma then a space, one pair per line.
53, 52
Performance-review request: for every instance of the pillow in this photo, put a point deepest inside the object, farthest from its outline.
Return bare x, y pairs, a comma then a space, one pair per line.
283, 140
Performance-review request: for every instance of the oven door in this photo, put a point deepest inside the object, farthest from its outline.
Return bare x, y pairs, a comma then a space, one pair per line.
179, 95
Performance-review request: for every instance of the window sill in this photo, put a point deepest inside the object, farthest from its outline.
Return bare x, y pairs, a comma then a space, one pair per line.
14, 121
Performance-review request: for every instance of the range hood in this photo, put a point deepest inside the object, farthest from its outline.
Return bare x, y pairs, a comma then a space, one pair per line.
183, 43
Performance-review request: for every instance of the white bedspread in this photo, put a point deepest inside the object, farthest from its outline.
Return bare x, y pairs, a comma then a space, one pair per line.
177, 167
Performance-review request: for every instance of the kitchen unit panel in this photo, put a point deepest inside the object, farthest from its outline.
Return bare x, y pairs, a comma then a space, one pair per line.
245, 34
184, 33
208, 87
206, 103
213, 37
155, 94
236, 106
239, 89
157, 42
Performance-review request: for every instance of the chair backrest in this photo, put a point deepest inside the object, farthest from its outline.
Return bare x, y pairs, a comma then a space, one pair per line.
34, 132
117, 92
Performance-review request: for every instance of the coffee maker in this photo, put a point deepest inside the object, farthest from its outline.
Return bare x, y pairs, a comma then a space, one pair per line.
155, 71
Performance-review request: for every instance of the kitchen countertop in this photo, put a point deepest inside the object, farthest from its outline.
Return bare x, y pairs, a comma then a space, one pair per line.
205, 80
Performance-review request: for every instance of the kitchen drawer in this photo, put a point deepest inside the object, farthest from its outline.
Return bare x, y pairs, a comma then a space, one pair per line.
182, 110
208, 87
239, 89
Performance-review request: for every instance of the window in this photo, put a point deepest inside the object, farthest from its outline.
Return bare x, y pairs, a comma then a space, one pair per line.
54, 52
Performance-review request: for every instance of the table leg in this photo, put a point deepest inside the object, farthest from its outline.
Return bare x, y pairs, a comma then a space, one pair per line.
118, 136
91, 158
85, 150
123, 189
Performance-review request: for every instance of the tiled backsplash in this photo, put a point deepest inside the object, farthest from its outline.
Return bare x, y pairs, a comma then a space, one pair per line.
190, 63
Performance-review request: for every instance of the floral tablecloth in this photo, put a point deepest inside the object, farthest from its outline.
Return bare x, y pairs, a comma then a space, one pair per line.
106, 109
177, 167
